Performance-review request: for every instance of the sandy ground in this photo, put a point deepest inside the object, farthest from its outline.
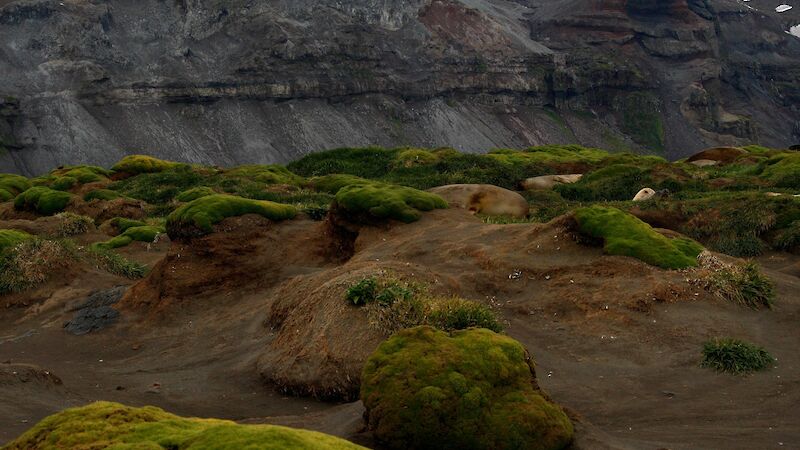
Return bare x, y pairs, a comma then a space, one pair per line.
616, 342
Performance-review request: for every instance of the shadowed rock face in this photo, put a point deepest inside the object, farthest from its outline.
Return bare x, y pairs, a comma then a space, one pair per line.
238, 81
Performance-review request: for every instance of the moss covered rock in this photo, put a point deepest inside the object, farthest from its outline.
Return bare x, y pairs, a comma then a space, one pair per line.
136, 164
387, 201
42, 200
10, 238
471, 389
624, 234
198, 217
111, 425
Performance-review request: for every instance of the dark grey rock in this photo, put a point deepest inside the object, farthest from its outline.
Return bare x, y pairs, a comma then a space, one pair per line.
96, 312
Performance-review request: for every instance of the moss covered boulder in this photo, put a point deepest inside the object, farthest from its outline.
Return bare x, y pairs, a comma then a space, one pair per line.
198, 217
470, 389
386, 201
42, 200
625, 235
111, 425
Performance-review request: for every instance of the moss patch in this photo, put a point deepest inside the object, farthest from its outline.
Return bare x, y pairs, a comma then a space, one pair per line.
42, 200
624, 234
13, 185
194, 193
197, 218
471, 389
268, 174
105, 424
136, 233
102, 194
387, 201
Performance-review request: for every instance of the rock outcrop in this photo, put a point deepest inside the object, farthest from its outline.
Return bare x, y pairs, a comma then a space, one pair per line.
231, 82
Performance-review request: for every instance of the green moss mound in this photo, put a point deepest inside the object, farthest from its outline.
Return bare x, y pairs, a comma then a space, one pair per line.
146, 233
415, 157
784, 170
42, 200
331, 184
83, 174
12, 185
624, 234
102, 194
10, 238
136, 164
111, 425
387, 201
471, 389
268, 174
198, 217
121, 224
194, 193
735, 356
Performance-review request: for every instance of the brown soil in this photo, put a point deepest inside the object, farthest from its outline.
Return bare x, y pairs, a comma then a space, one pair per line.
225, 323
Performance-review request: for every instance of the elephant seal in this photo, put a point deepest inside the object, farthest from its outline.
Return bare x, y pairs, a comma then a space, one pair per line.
484, 199
644, 194
548, 181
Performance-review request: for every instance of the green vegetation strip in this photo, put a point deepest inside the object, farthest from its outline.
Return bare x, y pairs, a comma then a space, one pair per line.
625, 235
735, 356
203, 213
111, 425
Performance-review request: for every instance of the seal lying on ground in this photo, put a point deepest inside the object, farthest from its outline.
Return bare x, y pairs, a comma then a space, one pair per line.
484, 199
548, 181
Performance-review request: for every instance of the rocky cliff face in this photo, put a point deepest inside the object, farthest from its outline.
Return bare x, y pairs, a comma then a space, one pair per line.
254, 81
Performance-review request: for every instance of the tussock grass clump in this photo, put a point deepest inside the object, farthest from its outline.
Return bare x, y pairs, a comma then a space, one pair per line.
741, 284
783, 170
138, 164
387, 201
333, 183
735, 356
73, 224
443, 313
12, 185
159, 188
147, 233
615, 182
112, 425
415, 157
31, 262
43, 200
102, 194
624, 234
198, 217
113, 263
11, 238
194, 193
427, 389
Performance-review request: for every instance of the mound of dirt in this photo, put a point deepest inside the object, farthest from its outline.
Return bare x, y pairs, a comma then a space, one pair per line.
18, 374
103, 210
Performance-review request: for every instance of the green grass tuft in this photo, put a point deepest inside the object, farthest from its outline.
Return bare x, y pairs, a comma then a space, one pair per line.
111, 425
735, 356
624, 234
427, 389
199, 216
114, 263
42, 200
745, 285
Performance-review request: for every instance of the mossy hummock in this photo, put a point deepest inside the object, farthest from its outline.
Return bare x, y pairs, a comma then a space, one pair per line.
470, 389
625, 235
12, 185
194, 193
112, 425
387, 201
268, 174
198, 217
43, 200
136, 164
102, 194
